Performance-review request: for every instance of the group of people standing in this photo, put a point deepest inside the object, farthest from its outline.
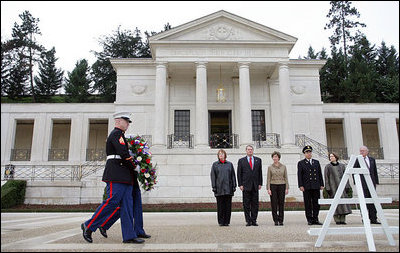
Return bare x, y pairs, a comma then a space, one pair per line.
310, 182
124, 197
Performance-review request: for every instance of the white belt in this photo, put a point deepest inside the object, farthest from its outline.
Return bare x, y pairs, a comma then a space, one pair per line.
113, 157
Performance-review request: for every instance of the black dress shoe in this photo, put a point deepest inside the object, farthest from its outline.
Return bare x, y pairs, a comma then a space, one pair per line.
87, 233
344, 223
255, 224
144, 236
276, 224
248, 224
103, 232
317, 223
310, 223
134, 240
226, 225
280, 223
375, 222
338, 223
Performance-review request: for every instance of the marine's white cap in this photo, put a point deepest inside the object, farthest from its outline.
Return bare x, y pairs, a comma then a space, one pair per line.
123, 115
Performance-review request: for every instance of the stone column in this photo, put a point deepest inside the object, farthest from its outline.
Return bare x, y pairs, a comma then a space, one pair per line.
353, 133
41, 138
159, 103
201, 137
388, 132
286, 105
275, 106
245, 137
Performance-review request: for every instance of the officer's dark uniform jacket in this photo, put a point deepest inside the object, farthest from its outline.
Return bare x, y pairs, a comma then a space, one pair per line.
119, 170
309, 176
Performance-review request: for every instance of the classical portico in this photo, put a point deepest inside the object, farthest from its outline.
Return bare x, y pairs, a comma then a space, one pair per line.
192, 53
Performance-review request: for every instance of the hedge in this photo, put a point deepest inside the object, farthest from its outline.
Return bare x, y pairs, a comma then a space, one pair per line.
13, 193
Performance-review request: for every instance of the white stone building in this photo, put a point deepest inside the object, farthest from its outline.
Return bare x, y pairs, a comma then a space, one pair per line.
220, 81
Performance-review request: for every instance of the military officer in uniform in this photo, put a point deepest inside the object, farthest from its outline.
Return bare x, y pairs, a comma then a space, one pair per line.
120, 178
310, 182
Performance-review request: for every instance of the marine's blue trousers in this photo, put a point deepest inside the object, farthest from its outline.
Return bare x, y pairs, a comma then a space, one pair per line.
119, 199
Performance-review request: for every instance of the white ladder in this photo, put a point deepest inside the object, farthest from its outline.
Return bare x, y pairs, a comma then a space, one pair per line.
362, 201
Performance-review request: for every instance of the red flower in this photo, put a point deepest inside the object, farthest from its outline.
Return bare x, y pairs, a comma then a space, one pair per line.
143, 170
140, 150
147, 160
132, 142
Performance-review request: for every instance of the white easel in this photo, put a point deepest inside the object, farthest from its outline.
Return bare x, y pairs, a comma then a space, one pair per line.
362, 201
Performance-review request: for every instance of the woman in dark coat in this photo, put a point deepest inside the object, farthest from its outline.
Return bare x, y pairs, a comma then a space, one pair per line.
223, 182
333, 175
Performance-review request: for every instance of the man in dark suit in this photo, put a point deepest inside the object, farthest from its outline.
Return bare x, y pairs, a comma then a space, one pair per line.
373, 171
310, 182
249, 173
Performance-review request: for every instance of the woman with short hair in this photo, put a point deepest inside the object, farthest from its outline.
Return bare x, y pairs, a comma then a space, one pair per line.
223, 182
333, 175
277, 187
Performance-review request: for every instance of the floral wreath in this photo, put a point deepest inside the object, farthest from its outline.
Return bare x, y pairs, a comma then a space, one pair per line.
140, 151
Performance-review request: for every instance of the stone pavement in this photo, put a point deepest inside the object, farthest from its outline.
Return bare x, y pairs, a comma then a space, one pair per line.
185, 231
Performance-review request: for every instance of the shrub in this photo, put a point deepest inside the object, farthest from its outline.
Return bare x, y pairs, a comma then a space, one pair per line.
13, 193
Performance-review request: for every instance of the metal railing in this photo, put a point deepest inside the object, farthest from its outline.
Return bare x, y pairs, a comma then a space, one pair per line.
341, 152
180, 141
51, 172
20, 155
376, 152
96, 154
267, 140
388, 170
222, 140
46, 172
302, 140
58, 154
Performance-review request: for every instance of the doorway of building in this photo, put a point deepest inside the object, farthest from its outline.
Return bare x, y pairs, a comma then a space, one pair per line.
220, 129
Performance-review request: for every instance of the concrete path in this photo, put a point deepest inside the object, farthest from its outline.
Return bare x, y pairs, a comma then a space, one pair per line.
184, 232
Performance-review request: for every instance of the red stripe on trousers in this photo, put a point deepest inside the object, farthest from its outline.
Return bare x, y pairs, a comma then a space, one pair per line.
110, 216
102, 207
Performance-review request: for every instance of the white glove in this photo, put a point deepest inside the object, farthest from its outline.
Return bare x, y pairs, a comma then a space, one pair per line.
137, 169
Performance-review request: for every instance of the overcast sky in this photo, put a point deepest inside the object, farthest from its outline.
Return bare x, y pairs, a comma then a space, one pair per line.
74, 28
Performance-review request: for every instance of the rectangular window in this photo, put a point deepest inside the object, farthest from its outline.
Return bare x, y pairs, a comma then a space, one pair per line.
182, 124
258, 124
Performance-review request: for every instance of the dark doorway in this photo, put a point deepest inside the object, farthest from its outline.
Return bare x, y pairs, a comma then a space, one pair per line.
220, 129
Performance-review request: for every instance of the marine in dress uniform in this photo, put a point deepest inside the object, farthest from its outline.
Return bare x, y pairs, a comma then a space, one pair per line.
120, 179
310, 182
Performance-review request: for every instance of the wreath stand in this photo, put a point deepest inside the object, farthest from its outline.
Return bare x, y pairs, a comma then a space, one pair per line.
362, 201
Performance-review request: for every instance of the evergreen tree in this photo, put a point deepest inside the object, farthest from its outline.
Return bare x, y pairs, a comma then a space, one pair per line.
14, 86
24, 40
362, 79
50, 78
77, 85
387, 66
323, 55
341, 14
332, 75
121, 44
311, 54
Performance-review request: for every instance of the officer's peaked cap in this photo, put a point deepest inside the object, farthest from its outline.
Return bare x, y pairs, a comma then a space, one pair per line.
307, 148
123, 115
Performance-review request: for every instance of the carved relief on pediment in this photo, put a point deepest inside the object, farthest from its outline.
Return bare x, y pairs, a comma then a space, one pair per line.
223, 32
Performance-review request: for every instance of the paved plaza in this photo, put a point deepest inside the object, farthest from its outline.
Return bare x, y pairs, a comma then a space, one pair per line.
185, 231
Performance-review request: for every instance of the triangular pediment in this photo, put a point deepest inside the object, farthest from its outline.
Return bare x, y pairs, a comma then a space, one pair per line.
222, 26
